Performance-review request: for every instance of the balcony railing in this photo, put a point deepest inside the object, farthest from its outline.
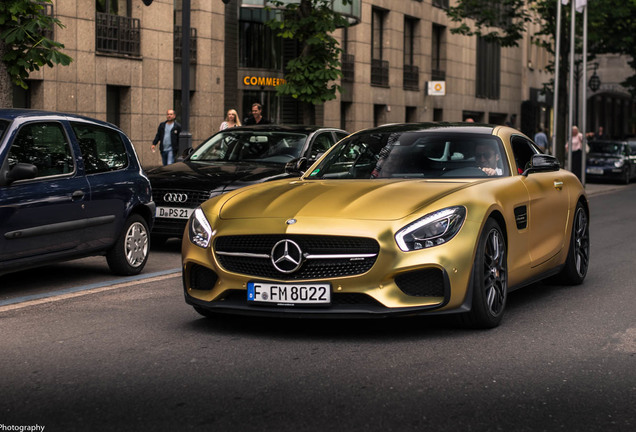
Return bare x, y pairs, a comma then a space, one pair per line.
116, 34
348, 71
379, 73
411, 77
178, 48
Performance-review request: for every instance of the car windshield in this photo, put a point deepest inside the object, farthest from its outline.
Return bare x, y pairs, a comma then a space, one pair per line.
606, 147
262, 146
413, 155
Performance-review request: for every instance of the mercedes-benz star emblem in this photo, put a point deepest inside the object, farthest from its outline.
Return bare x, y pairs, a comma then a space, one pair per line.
175, 197
286, 256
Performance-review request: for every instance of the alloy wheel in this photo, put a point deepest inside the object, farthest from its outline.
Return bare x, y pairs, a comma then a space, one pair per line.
495, 272
136, 244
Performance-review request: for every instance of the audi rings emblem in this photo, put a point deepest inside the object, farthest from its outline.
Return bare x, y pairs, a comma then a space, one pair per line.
286, 256
175, 197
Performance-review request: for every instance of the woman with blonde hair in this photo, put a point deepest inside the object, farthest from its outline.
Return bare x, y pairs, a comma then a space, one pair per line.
231, 120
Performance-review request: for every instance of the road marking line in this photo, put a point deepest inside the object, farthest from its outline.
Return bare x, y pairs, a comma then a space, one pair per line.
36, 299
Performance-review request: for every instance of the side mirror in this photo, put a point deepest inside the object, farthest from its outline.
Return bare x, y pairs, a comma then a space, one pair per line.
296, 167
21, 171
542, 163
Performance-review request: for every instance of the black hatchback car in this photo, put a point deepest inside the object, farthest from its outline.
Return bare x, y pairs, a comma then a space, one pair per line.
228, 160
70, 187
610, 160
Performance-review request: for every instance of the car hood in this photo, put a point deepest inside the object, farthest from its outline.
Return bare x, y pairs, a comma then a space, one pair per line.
351, 199
213, 175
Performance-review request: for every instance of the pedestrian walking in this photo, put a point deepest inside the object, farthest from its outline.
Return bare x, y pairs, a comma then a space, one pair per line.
256, 118
231, 120
541, 139
168, 138
576, 141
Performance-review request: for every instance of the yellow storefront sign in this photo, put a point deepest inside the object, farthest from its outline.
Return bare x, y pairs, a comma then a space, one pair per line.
262, 81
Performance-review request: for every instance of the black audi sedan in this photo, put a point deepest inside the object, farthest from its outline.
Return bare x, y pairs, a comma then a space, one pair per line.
231, 159
610, 160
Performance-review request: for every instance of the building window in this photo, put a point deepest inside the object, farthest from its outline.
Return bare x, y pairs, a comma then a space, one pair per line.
345, 112
379, 67
379, 114
258, 45
115, 32
411, 74
410, 114
347, 59
178, 44
438, 54
441, 4
438, 114
488, 69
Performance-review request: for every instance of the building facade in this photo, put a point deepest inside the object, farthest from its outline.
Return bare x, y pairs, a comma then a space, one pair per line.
401, 63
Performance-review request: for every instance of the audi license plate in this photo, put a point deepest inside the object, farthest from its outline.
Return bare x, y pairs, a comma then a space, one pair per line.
594, 170
289, 294
174, 212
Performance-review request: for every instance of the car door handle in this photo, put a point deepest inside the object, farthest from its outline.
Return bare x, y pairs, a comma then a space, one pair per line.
77, 195
558, 185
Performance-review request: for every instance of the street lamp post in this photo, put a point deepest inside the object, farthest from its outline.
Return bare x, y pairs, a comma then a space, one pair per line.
185, 137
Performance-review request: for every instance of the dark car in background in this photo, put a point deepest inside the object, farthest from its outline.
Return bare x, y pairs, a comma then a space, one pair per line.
231, 159
70, 187
610, 160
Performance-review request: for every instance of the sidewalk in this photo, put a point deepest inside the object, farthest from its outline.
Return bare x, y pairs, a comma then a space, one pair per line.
599, 188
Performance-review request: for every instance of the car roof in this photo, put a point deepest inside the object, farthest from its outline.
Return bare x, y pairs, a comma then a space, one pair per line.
446, 127
283, 128
17, 113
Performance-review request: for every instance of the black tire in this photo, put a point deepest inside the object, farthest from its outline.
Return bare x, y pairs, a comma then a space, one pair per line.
578, 260
129, 254
490, 279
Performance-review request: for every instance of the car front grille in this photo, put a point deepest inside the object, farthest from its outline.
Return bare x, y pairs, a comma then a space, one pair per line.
174, 227
187, 198
250, 255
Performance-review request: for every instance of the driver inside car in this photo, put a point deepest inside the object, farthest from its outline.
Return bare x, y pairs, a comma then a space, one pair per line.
488, 158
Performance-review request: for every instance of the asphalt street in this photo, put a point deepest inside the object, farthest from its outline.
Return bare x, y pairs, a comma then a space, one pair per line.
134, 357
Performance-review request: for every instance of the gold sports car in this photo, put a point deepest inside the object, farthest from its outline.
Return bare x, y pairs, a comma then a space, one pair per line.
396, 220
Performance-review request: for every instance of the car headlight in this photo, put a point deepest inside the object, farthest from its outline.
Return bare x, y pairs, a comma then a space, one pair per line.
619, 163
200, 231
432, 230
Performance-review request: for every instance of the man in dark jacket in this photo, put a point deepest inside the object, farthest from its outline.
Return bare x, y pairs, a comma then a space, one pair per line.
257, 116
168, 137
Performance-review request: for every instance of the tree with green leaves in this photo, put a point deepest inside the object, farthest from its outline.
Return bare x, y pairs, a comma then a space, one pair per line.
24, 45
311, 76
611, 29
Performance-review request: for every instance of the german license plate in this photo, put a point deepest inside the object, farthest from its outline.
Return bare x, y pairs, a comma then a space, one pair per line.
174, 212
289, 293
594, 170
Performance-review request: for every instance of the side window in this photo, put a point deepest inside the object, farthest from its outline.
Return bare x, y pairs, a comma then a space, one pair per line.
102, 148
321, 144
523, 151
340, 135
44, 145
